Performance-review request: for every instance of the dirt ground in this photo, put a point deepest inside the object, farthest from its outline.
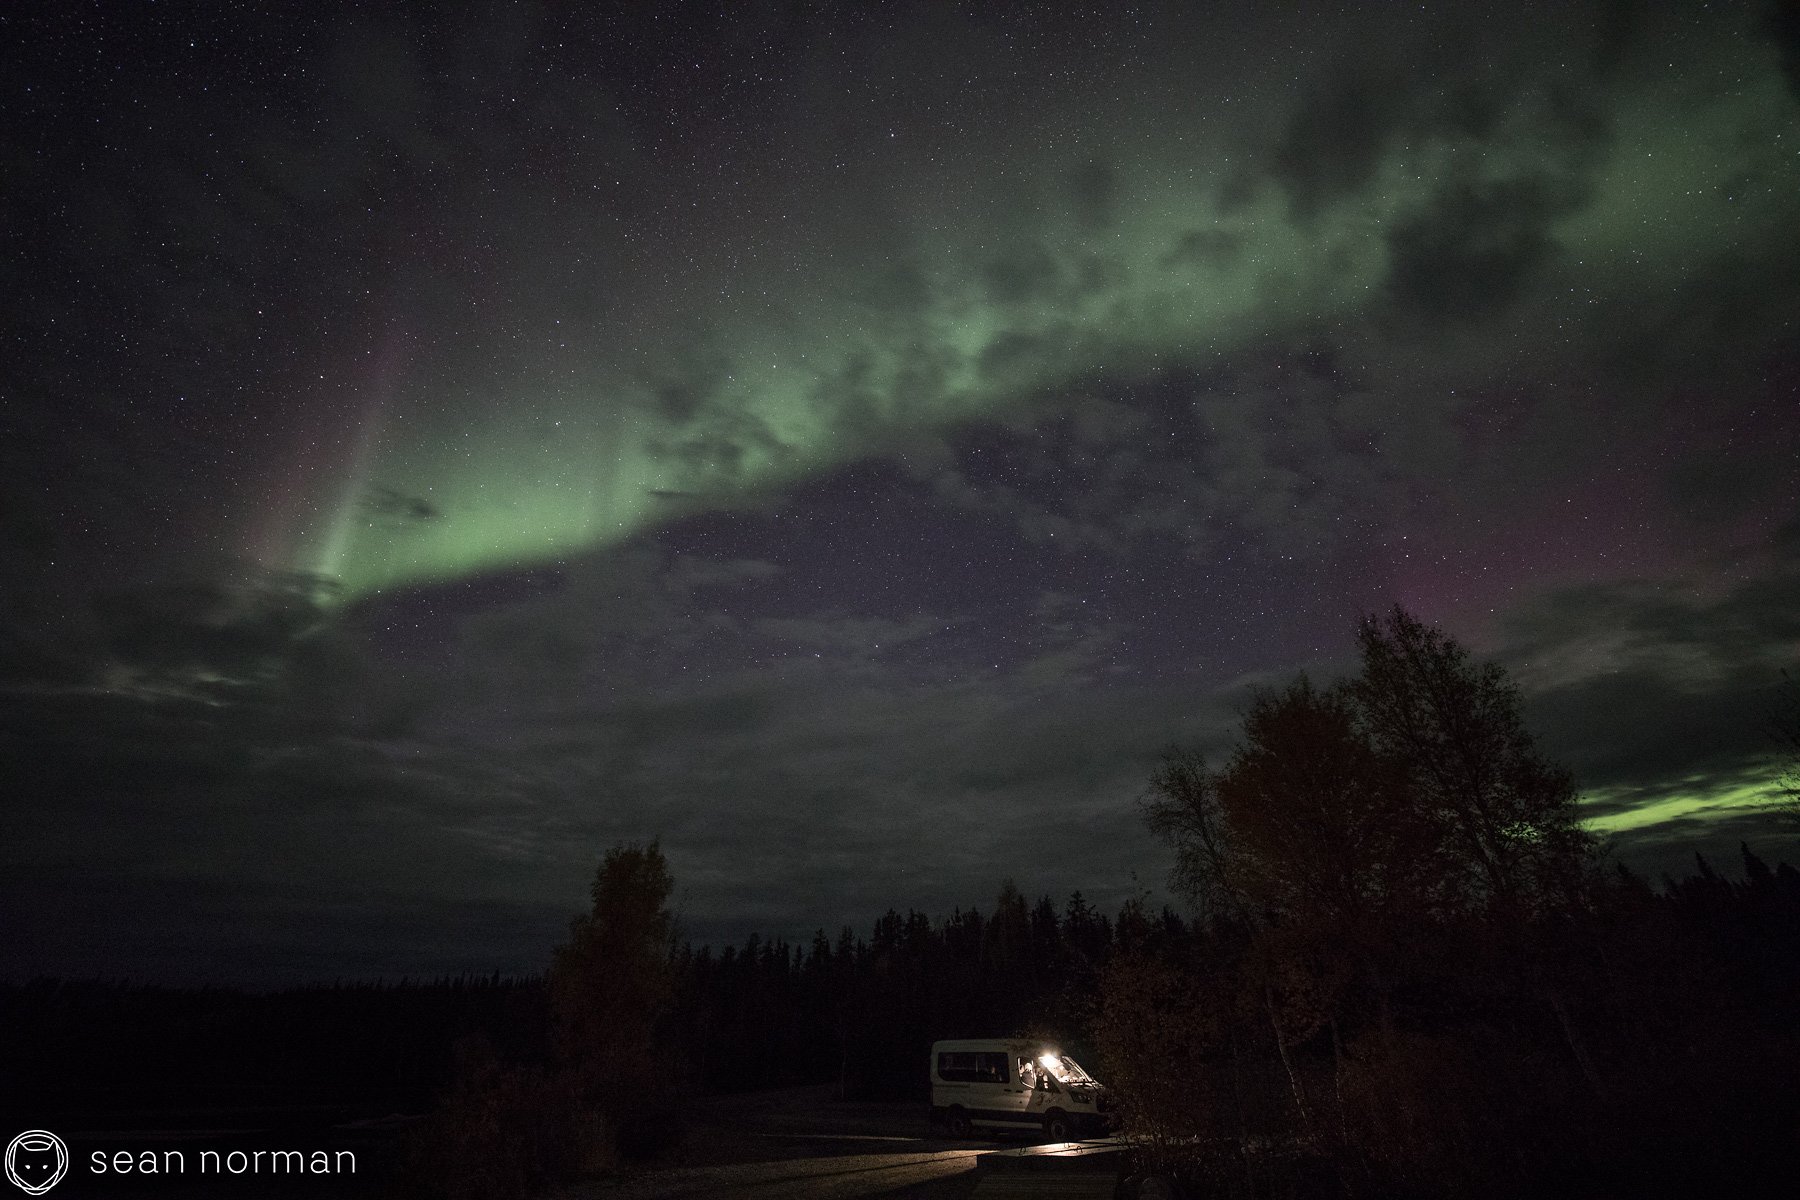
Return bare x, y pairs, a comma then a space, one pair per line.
801, 1143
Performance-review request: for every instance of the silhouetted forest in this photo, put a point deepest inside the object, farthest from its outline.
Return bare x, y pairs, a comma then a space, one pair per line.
857, 1011
862, 1012
1697, 976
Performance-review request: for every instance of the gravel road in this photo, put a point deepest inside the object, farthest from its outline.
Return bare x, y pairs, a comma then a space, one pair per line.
939, 1175
801, 1143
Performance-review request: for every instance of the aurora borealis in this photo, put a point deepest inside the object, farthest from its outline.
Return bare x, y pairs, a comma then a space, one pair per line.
805, 320
848, 443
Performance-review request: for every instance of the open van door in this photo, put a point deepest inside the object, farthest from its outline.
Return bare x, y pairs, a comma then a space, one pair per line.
995, 1084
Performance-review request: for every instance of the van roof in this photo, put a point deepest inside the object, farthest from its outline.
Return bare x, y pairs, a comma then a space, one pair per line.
1010, 1044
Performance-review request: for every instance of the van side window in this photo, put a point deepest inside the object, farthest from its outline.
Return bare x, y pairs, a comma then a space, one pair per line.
957, 1068
972, 1067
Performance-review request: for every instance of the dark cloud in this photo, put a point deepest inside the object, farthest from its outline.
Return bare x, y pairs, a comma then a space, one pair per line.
394, 505
1280, 446
1015, 356
1412, 90
1488, 223
182, 837
1022, 275
1205, 247
1469, 254
232, 630
721, 443
682, 400
1339, 134
803, 767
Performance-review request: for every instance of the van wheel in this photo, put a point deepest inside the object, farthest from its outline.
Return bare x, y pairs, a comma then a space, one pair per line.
959, 1123
1057, 1126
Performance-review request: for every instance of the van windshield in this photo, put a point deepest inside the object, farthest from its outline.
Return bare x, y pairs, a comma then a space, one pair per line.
1065, 1070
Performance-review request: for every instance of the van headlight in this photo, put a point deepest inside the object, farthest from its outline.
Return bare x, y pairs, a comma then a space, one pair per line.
1081, 1095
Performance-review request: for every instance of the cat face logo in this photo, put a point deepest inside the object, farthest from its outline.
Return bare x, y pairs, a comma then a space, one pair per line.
36, 1160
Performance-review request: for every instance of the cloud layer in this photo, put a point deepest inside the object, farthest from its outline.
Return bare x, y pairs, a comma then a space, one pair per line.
849, 443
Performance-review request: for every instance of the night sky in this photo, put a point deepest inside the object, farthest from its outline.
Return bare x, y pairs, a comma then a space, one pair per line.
847, 442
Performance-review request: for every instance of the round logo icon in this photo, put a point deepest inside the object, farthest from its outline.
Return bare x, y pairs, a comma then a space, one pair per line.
36, 1160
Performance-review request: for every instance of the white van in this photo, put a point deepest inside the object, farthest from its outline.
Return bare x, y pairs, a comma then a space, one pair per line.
1011, 1083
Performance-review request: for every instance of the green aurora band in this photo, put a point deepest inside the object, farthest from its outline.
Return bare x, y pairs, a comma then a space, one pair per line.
809, 330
